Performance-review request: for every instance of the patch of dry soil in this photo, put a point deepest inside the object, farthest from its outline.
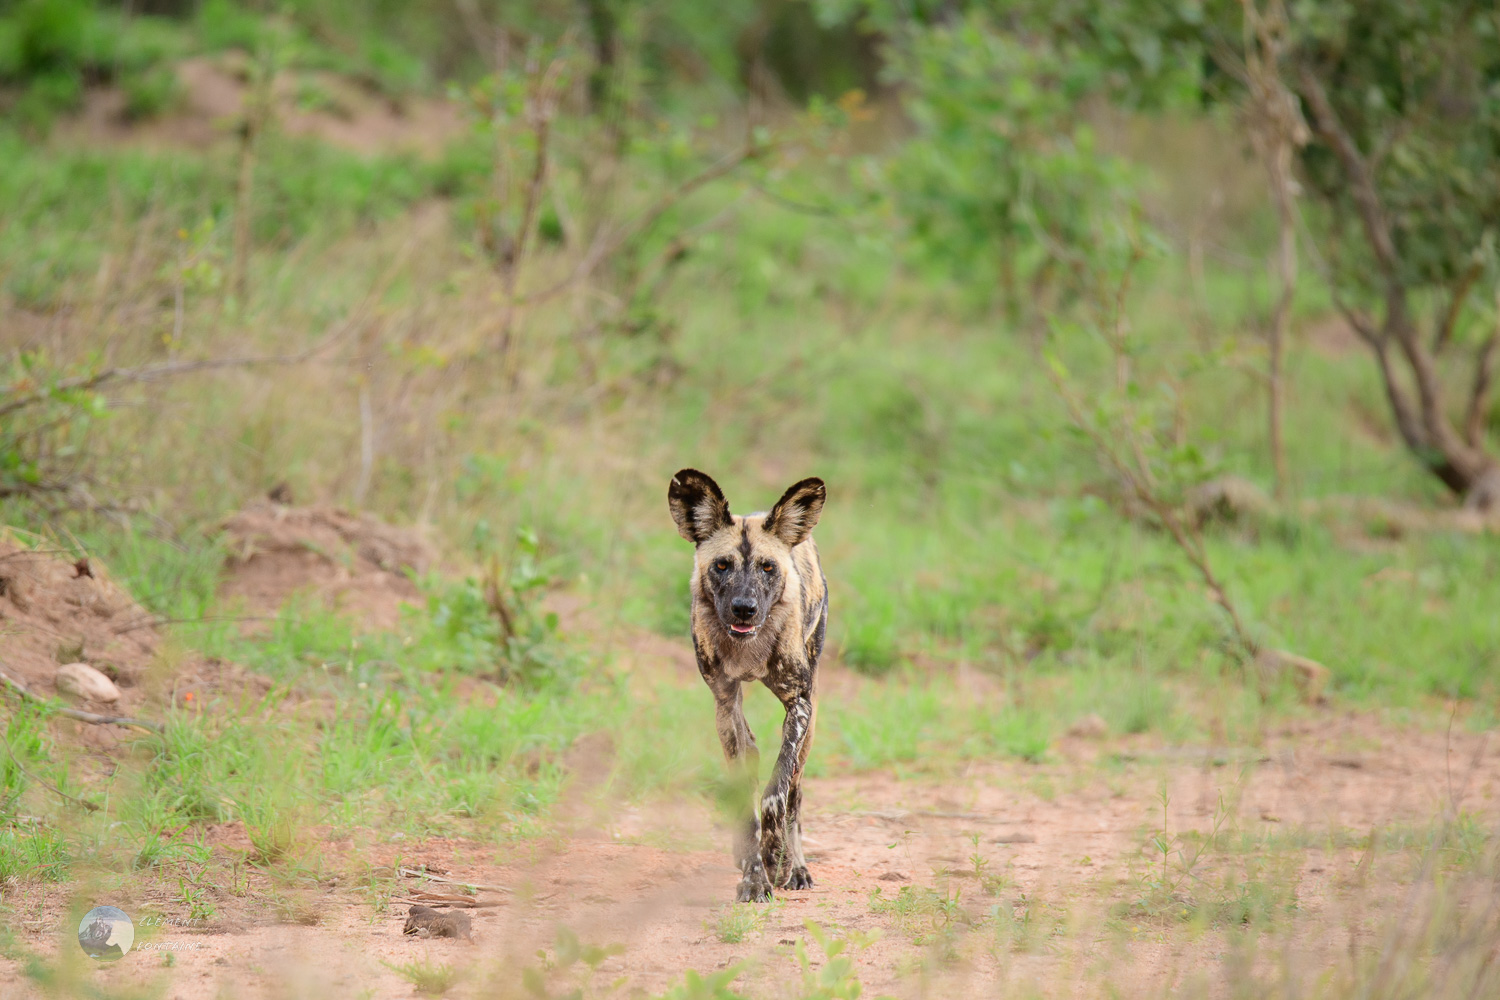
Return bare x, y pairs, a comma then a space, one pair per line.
56, 610
317, 104
1067, 836
356, 563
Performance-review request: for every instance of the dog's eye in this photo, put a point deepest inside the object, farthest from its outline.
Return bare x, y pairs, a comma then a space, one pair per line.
768, 567
721, 565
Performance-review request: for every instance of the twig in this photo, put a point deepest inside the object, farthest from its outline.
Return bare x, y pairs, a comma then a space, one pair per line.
476, 886
73, 713
156, 621
457, 902
1444, 332
145, 373
901, 814
91, 807
540, 107
611, 242
1277, 131
169, 369
1479, 394
1130, 461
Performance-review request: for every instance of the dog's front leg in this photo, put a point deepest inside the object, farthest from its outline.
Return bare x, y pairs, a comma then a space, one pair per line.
743, 758
781, 805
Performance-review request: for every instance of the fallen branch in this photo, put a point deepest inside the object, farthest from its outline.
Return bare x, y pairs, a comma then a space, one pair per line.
477, 887
158, 621
73, 713
900, 814
448, 899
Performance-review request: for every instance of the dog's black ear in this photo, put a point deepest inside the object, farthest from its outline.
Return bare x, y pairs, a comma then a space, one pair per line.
698, 505
796, 513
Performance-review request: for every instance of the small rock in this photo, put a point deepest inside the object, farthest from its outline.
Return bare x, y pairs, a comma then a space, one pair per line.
82, 682
1090, 727
893, 877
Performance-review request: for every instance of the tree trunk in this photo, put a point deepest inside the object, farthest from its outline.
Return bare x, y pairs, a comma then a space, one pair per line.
1460, 461
1286, 274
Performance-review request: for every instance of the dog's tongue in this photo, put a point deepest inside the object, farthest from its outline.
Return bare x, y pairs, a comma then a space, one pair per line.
743, 628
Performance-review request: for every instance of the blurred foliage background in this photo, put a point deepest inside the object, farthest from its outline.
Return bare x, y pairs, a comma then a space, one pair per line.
481, 266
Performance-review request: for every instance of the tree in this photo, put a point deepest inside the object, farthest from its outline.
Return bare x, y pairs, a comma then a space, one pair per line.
1402, 101
1402, 167
1405, 109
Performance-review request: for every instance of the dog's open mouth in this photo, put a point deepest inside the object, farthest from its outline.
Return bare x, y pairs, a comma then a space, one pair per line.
742, 629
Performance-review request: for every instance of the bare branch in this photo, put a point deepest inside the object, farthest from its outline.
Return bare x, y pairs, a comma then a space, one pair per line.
541, 107
1479, 395
1277, 130
1131, 462
1361, 180
144, 373
20, 399
1407, 424
73, 713
612, 242
1460, 464
1444, 332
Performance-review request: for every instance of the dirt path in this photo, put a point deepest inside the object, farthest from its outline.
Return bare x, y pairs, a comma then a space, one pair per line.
1061, 843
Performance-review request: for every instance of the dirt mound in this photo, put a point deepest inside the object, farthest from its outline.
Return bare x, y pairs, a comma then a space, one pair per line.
55, 611
355, 562
324, 105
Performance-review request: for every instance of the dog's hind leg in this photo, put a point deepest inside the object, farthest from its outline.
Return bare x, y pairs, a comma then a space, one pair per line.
744, 766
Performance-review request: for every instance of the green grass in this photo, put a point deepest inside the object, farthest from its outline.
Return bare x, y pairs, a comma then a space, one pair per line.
426, 976
985, 585
33, 855
738, 922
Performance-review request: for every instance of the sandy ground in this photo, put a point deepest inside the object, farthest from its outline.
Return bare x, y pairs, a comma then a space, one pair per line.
1067, 836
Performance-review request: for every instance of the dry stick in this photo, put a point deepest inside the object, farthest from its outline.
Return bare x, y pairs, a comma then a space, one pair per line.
157, 621
1137, 475
169, 369
73, 713
91, 807
660, 267
900, 814
476, 886
541, 108
608, 243
1479, 396
256, 117
1444, 332
1277, 130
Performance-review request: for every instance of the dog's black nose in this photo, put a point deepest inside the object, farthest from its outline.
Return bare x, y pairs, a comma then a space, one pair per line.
743, 608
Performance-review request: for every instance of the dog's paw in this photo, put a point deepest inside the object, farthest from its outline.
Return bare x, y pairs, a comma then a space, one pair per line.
754, 888
798, 878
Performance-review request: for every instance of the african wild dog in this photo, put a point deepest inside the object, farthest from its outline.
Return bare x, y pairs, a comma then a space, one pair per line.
760, 609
